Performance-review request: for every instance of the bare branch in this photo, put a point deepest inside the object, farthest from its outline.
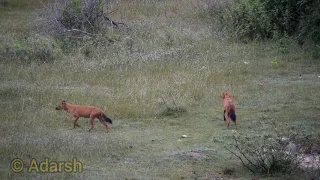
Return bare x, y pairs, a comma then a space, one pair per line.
244, 164
242, 153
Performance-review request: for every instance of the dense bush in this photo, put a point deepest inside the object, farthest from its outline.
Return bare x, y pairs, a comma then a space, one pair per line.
264, 19
75, 18
81, 15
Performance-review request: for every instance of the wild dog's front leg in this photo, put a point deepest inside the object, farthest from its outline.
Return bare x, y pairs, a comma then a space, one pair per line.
75, 121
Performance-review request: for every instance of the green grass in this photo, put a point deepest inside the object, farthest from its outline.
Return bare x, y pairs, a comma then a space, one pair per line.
178, 59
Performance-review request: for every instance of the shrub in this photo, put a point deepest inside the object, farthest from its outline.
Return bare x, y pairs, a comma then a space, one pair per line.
266, 153
75, 18
4, 2
309, 24
279, 151
172, 111
43, 49
15, 51
36, 48
265, 19
246, 20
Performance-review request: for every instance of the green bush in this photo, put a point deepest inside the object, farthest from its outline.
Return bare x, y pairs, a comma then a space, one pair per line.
309, 25
43, 49
265, 19
15, 51
250, 21
36, 48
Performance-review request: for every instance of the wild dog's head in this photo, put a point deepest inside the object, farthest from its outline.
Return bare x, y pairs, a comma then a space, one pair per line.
62, 105
226, 95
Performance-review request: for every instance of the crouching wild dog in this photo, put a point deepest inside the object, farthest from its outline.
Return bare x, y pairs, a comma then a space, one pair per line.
91, 112
229, 109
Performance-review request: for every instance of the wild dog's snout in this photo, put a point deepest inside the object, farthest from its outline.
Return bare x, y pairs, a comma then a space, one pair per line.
61, 105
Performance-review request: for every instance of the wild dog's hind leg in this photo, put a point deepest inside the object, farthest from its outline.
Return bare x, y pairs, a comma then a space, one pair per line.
104, 123
225, 118
92, 117
228, 122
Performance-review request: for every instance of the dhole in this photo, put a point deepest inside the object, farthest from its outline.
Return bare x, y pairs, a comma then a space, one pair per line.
229, 109
85, 111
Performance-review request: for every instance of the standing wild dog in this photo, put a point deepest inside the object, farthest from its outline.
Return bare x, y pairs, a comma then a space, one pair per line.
229, 111
85, 111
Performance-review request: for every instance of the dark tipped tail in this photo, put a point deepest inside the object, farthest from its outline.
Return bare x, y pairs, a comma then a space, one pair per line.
232, 115
106, 119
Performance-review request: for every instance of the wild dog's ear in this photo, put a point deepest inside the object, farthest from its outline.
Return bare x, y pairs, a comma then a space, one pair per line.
63, 102
228, 93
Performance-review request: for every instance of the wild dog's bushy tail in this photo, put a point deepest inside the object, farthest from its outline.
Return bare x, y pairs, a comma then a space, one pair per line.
232, 114
106, 119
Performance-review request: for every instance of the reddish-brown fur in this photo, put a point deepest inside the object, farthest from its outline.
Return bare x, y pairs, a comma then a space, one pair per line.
228, 107
91, 112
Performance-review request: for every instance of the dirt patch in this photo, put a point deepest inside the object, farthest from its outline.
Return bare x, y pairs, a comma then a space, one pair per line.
308, 157
192, 155
309, 161
195, 154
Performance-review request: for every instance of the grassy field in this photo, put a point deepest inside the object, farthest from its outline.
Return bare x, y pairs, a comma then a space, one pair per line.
173, 57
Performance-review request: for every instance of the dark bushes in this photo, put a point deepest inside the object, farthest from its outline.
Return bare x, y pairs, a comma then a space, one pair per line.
265, 19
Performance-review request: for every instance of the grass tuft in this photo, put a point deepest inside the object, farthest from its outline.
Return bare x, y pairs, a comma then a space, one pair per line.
173, 112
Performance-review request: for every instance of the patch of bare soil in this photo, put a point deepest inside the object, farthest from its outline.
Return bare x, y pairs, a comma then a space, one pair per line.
195, 154
308, 157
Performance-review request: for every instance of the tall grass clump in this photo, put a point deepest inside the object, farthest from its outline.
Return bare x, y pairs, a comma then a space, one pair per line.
35, 48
